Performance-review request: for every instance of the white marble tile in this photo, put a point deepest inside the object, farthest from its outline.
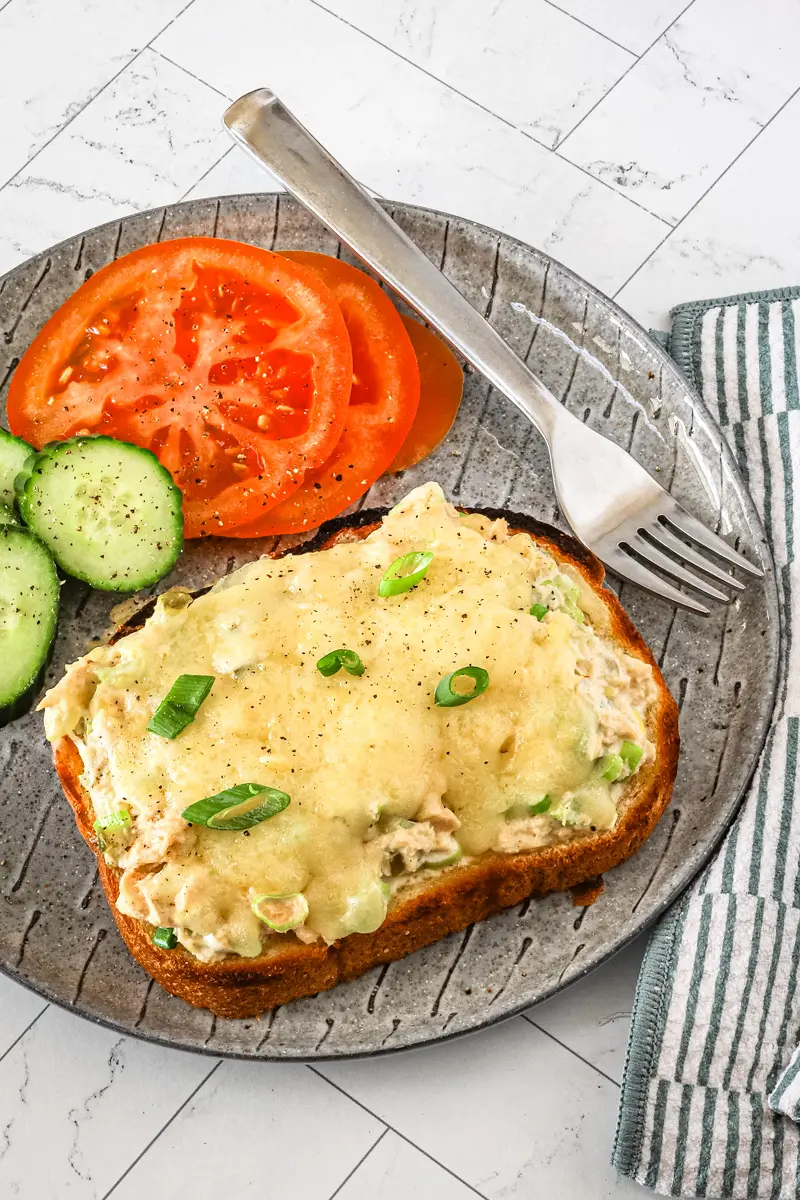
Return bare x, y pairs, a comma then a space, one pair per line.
574, 67
632, 23
692, 103
593, 1016
235, 173
410, 137
78, 1103
743, 236
508, 1110
57, 56
395, 1170
18, 1007
142, 142
256, 1130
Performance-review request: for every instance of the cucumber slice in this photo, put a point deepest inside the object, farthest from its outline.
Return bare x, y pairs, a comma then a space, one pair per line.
14, 453
108, 511
7, 515
29, 591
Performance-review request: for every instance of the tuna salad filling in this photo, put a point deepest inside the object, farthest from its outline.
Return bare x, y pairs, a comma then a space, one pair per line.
282, 755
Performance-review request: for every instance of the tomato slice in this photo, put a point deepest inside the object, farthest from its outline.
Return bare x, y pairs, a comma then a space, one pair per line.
231, 363
383, 403
441, 383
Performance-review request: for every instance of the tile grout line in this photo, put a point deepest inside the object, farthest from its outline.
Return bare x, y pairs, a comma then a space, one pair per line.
635, 63
186, 70
362, 1160
599, 32
417, 67
318, 1073
555, 150
92, 98
569, 1049
596, 179
197, 182
164, 1127
39, 1014
710, 188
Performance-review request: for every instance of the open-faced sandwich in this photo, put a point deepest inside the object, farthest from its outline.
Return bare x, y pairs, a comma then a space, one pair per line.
334, 757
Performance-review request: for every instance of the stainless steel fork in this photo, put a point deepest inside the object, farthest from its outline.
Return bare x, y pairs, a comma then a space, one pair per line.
614, 506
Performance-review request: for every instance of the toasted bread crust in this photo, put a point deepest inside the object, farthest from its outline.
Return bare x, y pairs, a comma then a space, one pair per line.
432, 907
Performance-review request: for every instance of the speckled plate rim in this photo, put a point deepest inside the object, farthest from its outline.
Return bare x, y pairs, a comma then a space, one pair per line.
683, 883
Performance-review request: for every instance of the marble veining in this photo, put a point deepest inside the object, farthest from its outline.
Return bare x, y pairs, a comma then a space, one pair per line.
498, 65
692, 103
589, 127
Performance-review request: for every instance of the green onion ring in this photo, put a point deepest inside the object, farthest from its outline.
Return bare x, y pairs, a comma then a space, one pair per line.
164, 937
332, 662
405, 573
445, 697
238, 807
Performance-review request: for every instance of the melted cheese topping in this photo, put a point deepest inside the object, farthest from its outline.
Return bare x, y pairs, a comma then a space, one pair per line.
360, 757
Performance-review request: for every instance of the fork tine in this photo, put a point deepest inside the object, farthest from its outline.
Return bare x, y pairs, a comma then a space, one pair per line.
665, 538
691, 527
655, 558
629, 568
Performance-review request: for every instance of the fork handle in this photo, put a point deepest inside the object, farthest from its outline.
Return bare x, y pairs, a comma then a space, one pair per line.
272, 135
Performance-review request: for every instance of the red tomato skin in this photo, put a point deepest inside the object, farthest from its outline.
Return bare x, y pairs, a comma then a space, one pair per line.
383, 403
146, 350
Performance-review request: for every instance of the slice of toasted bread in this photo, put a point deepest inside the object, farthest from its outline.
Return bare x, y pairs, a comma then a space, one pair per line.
428, 908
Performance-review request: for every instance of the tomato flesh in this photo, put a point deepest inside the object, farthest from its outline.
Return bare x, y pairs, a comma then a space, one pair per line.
441, 383
232, 364
383, 403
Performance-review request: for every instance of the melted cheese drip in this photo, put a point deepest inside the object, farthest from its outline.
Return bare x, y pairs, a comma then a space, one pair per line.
346, 749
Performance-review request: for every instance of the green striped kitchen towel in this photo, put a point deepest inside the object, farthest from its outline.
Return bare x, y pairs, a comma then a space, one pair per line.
712, 1079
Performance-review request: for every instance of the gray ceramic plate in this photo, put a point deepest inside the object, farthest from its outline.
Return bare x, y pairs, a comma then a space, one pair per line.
57, 934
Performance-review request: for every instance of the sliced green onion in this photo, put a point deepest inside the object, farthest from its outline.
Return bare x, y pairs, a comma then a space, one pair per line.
447, 859
445, 695
366, 910
330, 663
120, 819
631, 755
164, 937
179, 707
567, 586
281, 913
405, 573
569, 591
539, 611
572, 610
541, 806
567, 812
611, 766
238, 807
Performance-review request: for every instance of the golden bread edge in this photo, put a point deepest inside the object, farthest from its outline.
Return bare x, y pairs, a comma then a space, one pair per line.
432, 908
